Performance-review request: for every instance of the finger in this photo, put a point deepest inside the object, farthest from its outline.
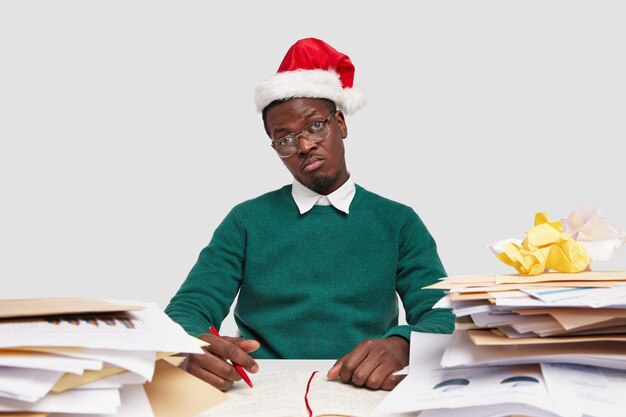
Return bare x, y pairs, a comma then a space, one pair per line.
212, 370
333, 372
247, 345
391, 382
384, 368
351, 362
214, 380
218, 366
227, 350
365, 372
375, 378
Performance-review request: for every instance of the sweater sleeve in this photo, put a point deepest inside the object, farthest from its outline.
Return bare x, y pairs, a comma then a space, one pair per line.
418, 266
205, 297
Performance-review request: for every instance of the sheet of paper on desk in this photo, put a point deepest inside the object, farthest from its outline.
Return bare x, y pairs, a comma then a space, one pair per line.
55, 306
139, 362
46, 361
275, 394
103, 401
461, 351
69, 381
134, 404
430, 387
28, 385
594, 392
560, 276
115, 381
488, 338
281, 394
334, 397
145, 330
593, 297
490, 319
494, 410
522, 286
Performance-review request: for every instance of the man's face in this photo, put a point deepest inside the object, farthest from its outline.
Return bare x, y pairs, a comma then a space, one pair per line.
319, 166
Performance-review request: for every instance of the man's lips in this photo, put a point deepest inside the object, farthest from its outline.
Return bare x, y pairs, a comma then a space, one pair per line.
313, 163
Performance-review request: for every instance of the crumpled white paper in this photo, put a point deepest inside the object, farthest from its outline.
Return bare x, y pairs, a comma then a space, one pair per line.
587, 225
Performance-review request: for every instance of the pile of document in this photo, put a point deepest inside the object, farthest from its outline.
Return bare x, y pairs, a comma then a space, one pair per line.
533, 390
548, 345
78, 357
549, 318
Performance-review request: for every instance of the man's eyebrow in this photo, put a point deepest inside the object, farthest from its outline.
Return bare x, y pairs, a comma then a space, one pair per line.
284, 129
309, 115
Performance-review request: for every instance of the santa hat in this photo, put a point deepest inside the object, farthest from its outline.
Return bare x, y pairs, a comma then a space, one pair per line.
313, 69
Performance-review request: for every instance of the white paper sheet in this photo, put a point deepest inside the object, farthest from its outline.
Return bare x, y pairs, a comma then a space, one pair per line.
558, 294
462, 352
28, 385
430, 387
115, 381
469, 309
496, 410
444, 302
595, 392
134, 404
593, 297
281, 393
146, 330
49, 362
93, 401
141, 363
493, 319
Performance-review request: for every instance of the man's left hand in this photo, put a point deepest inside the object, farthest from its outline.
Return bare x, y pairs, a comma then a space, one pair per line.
372, 363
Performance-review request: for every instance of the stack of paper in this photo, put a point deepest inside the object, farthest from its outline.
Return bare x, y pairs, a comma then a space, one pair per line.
75, 357
545, 390
553, 317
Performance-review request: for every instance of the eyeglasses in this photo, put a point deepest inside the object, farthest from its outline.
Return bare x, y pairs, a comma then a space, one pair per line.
314, 132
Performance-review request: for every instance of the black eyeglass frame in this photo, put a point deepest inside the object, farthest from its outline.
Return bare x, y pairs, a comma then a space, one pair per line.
308, 136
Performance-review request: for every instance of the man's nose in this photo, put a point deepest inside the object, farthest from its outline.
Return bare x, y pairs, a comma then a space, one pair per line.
305, 145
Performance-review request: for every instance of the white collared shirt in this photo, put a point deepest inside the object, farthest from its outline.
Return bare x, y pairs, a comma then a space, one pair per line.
306, 198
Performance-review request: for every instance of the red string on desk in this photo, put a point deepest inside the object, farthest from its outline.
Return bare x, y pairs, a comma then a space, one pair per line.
306, 395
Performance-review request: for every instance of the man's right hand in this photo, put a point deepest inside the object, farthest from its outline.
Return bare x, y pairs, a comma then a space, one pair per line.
212, 366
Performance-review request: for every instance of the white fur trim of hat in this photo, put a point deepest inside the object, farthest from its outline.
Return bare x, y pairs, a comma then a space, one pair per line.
301, 75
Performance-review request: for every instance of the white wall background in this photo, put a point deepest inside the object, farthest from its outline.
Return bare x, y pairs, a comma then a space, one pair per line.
127, 128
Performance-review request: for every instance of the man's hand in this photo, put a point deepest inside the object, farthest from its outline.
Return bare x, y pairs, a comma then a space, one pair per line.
372, 363
212, 366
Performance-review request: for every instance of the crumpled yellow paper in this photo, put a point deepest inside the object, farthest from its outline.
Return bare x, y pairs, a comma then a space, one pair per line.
545, 247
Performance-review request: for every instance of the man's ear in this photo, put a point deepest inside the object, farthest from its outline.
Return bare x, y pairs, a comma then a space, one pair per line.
341, 121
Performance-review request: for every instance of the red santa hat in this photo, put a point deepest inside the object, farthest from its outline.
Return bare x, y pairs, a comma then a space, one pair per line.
313, 69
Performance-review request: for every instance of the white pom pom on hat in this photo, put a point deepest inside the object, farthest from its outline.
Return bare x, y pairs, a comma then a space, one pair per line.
312, 69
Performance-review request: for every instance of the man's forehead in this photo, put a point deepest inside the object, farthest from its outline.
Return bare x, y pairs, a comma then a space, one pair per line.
298, 103
295, 110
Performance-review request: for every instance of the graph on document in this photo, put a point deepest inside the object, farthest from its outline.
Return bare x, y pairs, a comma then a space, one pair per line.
114, 324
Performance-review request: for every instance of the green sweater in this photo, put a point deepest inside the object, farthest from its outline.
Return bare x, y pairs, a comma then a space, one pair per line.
315, 285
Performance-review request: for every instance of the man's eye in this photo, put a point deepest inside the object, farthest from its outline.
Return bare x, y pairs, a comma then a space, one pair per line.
286, 141
316, 126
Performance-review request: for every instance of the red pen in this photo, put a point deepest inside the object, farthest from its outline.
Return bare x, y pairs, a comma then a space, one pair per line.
238, 368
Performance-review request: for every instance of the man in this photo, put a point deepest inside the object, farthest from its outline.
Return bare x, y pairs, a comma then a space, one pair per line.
317, 264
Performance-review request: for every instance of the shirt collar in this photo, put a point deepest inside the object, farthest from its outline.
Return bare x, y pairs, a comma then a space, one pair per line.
306, 198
